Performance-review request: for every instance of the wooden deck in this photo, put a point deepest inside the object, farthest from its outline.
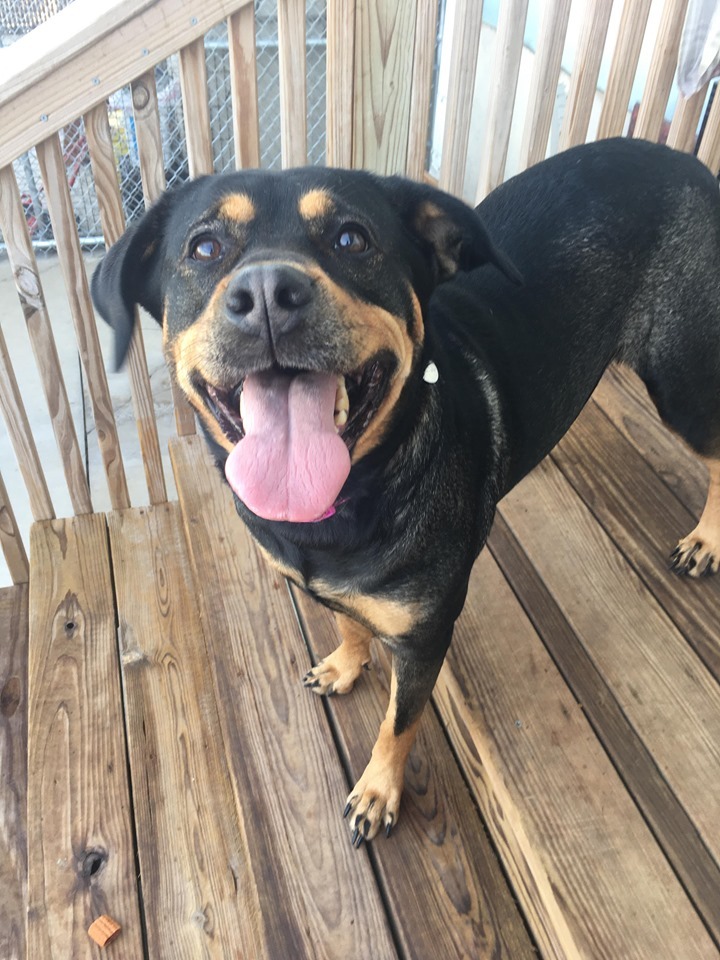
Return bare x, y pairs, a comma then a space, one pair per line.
563, 796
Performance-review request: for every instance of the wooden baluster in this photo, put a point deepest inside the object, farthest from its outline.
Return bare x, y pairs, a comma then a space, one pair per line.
29, 289
340, 82
12, 546
421, 89
62, 215
293, 95
584, 79
622, 70
662, 70
243, 86
196, 110
683, 129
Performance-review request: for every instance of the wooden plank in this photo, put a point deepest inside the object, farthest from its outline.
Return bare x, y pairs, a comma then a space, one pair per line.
60, 39
81, 862
505, 72
100, 68
645, 520
196, 110
461, 89
661, 71
623, 398
22, 439
709, 149
544, 82
243, 87
623, 68
685, 121
439, 875
293, 96
673, 829
112, 217
276, 736
62, 216
199, 897
152, 171
584, 77
421, 87
10, 539
13, 770
668, 696
29, 288
383, 77
586, 870
340, 83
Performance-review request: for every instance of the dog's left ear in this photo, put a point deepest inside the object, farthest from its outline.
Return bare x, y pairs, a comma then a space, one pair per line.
454, 233
129, 274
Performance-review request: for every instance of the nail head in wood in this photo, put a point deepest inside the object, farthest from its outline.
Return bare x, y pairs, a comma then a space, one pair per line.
104, 930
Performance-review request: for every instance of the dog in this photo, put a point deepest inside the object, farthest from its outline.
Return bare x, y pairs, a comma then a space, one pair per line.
374, 365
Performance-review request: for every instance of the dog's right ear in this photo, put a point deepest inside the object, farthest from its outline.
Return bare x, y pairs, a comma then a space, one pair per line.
130, 274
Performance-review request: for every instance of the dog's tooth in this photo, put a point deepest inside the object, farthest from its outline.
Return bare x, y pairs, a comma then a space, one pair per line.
342, 401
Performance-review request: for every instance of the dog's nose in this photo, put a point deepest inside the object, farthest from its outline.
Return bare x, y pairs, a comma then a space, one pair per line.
263, 296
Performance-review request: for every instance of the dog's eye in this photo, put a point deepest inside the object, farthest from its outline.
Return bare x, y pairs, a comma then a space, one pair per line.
352, 239
205, 249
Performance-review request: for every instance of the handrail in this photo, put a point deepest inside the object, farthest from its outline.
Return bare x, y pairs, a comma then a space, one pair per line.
97, 64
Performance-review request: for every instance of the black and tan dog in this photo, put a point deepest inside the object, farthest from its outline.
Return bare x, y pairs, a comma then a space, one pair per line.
375, 365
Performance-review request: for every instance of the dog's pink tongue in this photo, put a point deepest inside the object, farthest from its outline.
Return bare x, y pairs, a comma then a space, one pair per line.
291, 464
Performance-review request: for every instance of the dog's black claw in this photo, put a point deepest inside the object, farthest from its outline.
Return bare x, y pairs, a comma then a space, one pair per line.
366, 666
388, 830
355, 835
366, 828
347, 809
675, 552
315, 683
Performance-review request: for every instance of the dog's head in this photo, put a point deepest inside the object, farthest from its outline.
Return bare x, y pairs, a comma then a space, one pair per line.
293, 308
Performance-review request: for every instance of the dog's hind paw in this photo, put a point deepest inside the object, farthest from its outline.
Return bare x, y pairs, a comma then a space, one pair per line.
694, 556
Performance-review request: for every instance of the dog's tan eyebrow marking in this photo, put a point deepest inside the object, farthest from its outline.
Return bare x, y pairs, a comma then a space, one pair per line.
315, 203
237, 207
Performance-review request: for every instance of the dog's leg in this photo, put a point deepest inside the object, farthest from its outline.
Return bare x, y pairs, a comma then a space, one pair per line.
698, 553
338, 672
374, 801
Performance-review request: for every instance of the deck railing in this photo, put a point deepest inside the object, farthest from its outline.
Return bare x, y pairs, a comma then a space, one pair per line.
380, 65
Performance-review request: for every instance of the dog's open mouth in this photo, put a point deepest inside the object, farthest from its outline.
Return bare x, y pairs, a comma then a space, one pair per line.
293, 432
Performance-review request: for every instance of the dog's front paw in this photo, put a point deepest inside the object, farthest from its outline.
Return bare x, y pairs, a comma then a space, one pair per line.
337, 673
374, 802
695, 556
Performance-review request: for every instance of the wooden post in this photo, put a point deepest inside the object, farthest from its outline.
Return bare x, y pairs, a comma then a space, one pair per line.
340, 82
624, 64
661, 72
293, 97
243, 86
583, 82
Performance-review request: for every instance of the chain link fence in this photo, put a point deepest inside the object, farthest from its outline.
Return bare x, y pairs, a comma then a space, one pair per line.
17, 17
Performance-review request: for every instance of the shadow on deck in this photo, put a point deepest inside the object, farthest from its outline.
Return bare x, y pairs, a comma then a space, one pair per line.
564, 792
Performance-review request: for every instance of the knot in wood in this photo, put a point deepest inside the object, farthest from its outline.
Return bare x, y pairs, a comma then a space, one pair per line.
91, 861
140, 96
28, 284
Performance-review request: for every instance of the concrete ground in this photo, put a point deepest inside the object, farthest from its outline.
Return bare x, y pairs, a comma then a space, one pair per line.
15, 332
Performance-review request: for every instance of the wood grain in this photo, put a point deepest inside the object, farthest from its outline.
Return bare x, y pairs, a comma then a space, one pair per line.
461, 89
101, 67
29, 288
80, 843
62, 216
196, 111
645, 520
661, 71
623, 68
107, 189
13, 770
10, 539
199, 898
340, 83
152, 171
421, 91
623, 398
22, 439
243, 86
584, 77
685, 121
381, 91
709, 149
544, 82
584, 865
665, 691
505, 72
440, 876
293, 96
286, 776
670, 824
